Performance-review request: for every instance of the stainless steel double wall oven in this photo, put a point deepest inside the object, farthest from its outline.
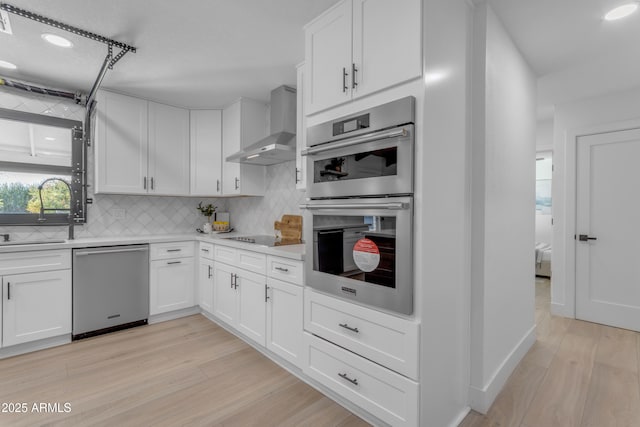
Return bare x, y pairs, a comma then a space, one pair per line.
358, 220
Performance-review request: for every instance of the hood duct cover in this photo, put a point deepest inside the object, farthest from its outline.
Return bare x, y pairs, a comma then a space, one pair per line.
280, 146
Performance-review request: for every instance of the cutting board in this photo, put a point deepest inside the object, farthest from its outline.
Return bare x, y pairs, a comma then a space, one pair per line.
290, 227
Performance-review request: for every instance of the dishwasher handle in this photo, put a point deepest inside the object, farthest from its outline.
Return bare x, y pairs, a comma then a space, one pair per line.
113, 251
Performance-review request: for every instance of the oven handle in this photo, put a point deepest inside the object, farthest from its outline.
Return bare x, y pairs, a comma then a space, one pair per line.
390, 206
355, 141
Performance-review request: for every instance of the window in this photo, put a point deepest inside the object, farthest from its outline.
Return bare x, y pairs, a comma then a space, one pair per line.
40, 151
543, 185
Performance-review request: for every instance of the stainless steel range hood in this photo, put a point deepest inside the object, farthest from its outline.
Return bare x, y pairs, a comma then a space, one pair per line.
280, 146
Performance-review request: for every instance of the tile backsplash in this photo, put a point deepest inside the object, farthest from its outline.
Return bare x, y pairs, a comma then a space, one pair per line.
113, 215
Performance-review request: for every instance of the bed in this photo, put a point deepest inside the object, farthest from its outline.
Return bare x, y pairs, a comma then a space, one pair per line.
543, 259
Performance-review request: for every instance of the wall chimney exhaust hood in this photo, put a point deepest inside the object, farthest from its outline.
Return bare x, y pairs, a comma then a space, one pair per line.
280, 146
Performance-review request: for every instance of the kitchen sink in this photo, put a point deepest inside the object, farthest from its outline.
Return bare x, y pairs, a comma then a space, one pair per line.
30, 242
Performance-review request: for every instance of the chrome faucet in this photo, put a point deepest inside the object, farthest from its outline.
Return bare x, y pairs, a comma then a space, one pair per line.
41, 217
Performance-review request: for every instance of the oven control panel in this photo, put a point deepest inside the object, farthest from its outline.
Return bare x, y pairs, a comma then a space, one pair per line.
350, 125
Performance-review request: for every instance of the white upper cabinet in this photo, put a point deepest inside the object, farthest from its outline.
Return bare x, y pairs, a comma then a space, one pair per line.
168, 150
121, 144
243, 123
206, 152
359, 47
328, 58
142, 147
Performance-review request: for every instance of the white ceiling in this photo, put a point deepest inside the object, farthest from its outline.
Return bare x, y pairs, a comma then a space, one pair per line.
206, 53
191, 53
574, 52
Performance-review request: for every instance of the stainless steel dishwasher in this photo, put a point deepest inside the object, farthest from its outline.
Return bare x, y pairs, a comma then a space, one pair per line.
110, 289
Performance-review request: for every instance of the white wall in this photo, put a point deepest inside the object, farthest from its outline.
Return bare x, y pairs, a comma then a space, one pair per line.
544, 135
618, 110
442, 245
502, 188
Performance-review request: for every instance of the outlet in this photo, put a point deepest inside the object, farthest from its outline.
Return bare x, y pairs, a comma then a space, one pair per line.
118, 213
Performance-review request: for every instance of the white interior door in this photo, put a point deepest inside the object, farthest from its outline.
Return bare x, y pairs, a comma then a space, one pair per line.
608, 229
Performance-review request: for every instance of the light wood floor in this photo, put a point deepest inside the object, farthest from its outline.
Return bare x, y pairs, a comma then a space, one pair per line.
576, 374
186, 372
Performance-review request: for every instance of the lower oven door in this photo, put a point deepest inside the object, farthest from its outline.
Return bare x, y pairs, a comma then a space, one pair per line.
362, 250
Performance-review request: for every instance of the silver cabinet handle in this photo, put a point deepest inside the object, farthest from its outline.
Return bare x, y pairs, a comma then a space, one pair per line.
344, 80
209, 272
282, 269
354, 141
174, 250
354, 70
152, 183
344, 325
297, 172
346, 378
266, 292
217, 185
237, 183
204, 250
8, 290
144, 182
173, 262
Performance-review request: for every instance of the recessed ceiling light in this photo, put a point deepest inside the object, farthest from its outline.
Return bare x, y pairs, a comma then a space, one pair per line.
57, 40
621, 11
8, 65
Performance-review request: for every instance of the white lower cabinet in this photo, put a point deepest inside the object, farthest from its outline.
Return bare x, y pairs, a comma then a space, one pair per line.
284, 320
383, 393
36, 295
35, 306
171, 280
205, 277
265, 309
239, 297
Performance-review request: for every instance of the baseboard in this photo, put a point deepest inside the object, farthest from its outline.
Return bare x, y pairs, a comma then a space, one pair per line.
163, 317
458, 420
29, 347
560, 310
482, 399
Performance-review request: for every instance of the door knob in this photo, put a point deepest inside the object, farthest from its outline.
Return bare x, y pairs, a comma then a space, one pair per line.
586, 238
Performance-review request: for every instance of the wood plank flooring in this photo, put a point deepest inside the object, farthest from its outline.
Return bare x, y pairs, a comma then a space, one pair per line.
576, 374
185, 372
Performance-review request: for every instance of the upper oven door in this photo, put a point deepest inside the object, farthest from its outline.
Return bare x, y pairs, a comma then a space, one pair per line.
378, 163
361, 250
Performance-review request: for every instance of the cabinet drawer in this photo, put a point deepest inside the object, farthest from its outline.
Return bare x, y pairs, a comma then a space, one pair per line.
252, 261
385, 394
382, 338
171, 250
285, 269
31, 262
206, 250
225, 254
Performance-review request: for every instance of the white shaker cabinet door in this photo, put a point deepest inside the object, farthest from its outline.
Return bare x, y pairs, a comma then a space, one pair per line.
205, 284
387, 44
328, 59
168, 150
171, 285
224, 294
206, 152
284, 320
251, 288
35, 306
121, 142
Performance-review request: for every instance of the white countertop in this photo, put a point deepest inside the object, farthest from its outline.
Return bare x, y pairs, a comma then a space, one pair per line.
295, 252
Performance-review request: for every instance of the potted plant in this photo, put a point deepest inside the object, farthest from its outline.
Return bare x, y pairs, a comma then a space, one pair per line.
207, 211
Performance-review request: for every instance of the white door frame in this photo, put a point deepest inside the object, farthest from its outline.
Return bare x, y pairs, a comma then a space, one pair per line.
570, 211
